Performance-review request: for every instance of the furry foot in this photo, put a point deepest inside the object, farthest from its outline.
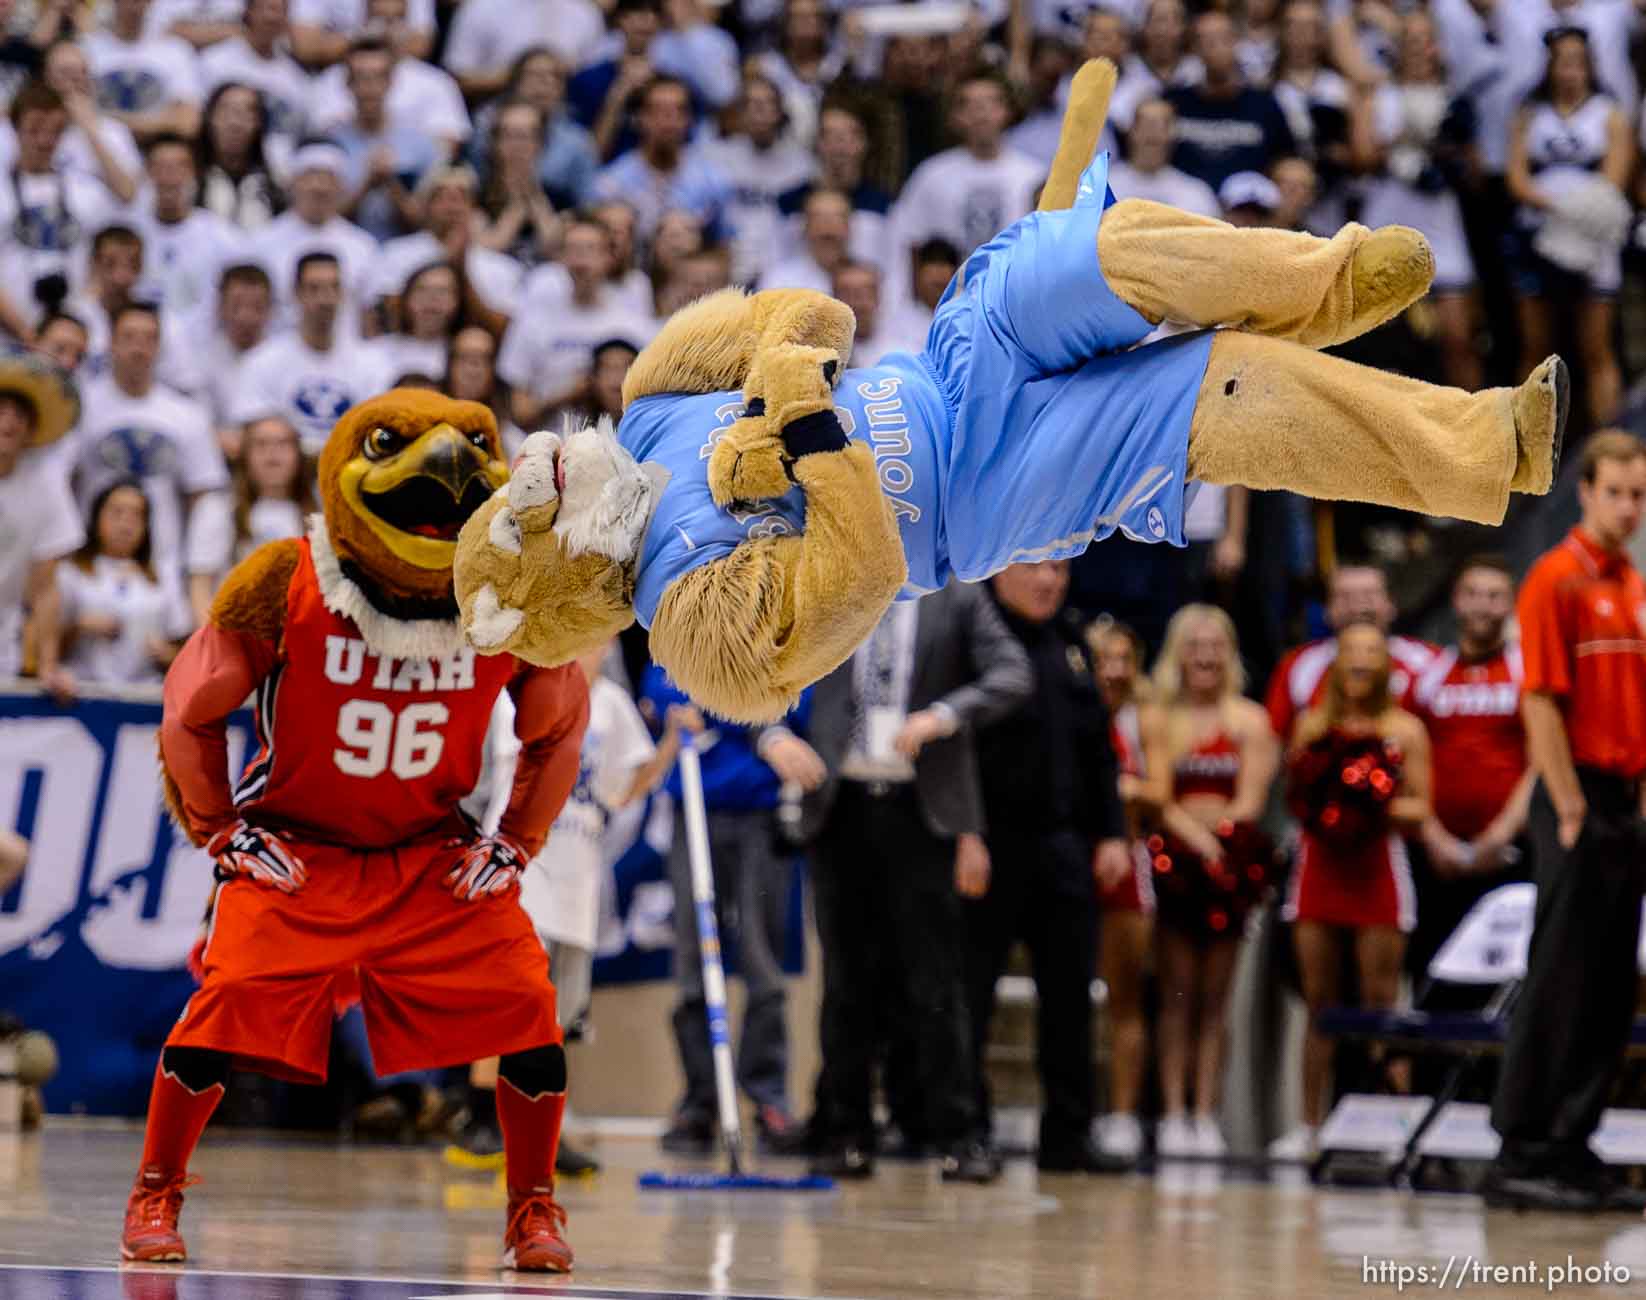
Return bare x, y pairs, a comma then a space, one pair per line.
1540, 407
1392, 269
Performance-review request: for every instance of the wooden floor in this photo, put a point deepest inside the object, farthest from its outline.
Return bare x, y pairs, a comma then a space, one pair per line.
274, 1220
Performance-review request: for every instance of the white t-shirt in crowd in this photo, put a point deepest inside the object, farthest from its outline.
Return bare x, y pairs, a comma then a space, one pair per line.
74, 151
544, 352
140, 76
39, 521
280, 80
966, 200
286, 240
183, 260
213, 545
758, 177
347, 17
487, 35
1167, 185
162, 439
560, 890
405, 355
46, 226
284, 376
197, 358
798, 272
122, 590
163, 15
496, 277
422, 98
549, 287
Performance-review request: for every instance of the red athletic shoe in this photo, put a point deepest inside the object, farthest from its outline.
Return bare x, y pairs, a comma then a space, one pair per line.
534, 1241
151, 1235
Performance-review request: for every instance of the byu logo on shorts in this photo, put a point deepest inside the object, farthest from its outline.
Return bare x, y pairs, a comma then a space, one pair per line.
1156, 521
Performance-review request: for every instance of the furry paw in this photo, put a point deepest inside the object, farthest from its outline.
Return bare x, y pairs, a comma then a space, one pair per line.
747, 463
750, 462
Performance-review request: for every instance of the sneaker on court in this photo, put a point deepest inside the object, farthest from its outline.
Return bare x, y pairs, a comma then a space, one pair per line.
535, 1239
478, 1145
1120, 1135
690, 1133
574, 1162
779, 1133
1298, 1147
972, 1161
150, 1235
1175, 1138
1209, 1138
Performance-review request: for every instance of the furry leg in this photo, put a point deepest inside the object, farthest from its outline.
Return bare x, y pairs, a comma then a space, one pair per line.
1173, 265
1272, 414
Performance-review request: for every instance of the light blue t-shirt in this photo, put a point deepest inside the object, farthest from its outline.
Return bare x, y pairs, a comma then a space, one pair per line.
1029, 427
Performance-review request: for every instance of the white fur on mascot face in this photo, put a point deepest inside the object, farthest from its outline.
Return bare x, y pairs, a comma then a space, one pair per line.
563, 537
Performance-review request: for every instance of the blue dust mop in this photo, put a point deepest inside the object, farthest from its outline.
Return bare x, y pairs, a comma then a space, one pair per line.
714, 996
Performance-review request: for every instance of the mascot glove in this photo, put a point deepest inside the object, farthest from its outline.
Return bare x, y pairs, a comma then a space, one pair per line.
488, 866
790, 386
242, 850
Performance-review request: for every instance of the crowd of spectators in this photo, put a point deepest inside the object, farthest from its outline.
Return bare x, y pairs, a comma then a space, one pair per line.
224, 212
231, 220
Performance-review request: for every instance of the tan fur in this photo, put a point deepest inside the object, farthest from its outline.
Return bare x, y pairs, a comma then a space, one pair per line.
1269, 412
1083, 119
710, 346
570, 605
745, 635
1168, 264
749, 462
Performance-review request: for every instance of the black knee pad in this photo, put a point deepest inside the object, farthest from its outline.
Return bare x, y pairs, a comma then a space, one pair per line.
196, 1068
535, 1072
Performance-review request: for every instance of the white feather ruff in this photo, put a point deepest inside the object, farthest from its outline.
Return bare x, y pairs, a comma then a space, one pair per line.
421, 638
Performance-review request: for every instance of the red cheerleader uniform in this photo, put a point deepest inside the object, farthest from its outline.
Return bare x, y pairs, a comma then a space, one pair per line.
1135, 893
1357, 886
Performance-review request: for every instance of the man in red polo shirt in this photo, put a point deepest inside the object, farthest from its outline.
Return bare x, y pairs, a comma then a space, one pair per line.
1583, 640
1359, 593
1469, 700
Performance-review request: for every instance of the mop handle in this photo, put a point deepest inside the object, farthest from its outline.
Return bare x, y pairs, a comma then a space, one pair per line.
708, 946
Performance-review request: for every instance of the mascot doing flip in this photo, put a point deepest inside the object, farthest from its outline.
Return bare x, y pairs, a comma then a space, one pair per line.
347, 873
759, 519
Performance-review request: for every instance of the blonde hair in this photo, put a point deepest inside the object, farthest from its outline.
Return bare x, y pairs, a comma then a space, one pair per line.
1168, 667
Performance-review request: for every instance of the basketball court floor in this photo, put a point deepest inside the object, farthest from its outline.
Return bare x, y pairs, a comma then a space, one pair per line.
278, 1220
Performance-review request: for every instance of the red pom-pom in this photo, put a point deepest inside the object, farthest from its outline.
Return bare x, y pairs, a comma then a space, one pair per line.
1162, 864
1218, 920
1156, 844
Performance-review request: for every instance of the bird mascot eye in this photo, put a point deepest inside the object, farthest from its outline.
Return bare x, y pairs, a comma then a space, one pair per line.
381, 442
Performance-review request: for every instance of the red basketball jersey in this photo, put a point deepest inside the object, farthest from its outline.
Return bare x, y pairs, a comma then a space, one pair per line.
360, 748
1472, 711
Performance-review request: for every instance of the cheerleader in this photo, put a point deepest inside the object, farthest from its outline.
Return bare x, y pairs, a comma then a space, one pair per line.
1413, 141
1570, 155
1209, 759
114, 611
1360, 777
1126, 902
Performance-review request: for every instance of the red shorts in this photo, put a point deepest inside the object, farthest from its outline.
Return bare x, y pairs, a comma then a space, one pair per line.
441, 982
1135, 893
1371, 887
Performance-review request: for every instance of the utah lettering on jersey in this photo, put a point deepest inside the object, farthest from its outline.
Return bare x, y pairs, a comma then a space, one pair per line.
350, 663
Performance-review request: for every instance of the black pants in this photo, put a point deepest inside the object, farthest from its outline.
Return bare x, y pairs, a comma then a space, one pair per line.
1041, 891
889, 923
1576, 1007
